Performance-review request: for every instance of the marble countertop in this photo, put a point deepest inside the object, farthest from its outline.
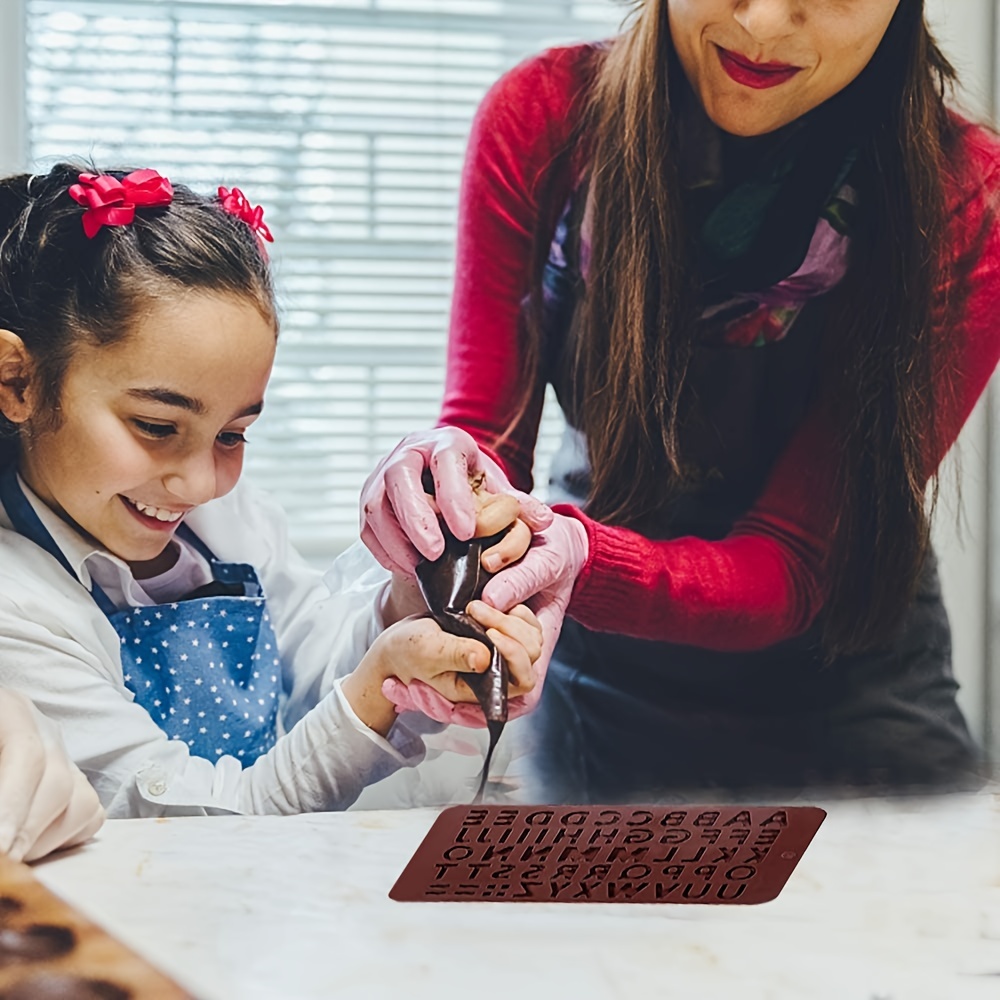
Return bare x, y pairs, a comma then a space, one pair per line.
893, 900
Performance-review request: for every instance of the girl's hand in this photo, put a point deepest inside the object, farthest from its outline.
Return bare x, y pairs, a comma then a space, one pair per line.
548, 571
420, 650
509, 549
399, 525
494, 513
519, 636
417, 655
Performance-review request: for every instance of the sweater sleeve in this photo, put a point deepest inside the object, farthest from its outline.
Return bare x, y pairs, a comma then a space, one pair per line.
522, 123
764, 582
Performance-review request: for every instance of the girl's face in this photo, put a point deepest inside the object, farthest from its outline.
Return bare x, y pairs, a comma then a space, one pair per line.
153, 425
759, 64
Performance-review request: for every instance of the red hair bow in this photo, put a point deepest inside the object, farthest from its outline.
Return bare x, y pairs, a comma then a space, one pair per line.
112, 202
235, 203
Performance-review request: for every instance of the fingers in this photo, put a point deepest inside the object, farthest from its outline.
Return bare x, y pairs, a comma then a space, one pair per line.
50, 801
522, 677
46, 802
509, 549
408, 516
398, 522
526, 614
497, 511
537, 571
420, 697
423, 653
382, 534
386, 561
463, 656
518, 638
22, 767
534, 513
520, 624
77, 823
420, 648
449, 466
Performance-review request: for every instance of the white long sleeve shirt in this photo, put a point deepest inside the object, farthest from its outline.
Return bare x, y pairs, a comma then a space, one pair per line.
58, 648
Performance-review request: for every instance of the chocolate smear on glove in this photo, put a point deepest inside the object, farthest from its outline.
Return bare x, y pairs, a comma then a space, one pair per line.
448, 585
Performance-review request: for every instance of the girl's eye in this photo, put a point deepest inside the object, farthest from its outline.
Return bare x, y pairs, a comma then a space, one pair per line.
231, 439
155, 430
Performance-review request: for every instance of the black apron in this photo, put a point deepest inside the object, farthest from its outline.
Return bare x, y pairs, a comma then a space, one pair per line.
625, 719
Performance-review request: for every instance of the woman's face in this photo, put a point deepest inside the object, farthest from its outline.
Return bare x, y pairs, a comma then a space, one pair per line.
760, 64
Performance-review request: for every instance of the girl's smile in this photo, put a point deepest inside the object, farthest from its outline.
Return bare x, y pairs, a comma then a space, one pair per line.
132, 452
160, 518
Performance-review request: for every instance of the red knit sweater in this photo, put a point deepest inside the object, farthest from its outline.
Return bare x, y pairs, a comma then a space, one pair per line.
764, 582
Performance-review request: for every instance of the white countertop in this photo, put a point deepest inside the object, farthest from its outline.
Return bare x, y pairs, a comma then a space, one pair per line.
893, 900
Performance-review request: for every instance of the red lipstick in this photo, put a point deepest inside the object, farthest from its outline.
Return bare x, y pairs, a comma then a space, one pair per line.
759, 76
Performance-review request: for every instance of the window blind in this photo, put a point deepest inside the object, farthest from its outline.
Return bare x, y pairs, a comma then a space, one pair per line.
347, 120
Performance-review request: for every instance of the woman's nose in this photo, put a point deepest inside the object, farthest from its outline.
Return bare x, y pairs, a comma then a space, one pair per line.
194, 479
767, 20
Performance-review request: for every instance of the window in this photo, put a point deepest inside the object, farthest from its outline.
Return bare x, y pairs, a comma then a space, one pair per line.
347, 120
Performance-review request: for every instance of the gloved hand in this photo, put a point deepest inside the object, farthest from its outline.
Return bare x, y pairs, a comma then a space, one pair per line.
398, 521
46, 801
548, 571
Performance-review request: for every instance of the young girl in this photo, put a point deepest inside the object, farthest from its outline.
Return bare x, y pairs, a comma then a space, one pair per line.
148, 603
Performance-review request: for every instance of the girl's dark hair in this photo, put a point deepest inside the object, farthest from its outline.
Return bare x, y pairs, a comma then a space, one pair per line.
58, 288
635, 327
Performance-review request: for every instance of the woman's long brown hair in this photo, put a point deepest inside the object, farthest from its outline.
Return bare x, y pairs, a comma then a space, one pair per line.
635, 327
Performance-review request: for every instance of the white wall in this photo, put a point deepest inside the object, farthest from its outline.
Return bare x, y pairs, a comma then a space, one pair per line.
966, 31
12, 132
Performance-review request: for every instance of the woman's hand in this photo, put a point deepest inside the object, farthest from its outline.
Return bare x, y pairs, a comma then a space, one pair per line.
416, 654
543, 581
399, 522
548, 569
46, 802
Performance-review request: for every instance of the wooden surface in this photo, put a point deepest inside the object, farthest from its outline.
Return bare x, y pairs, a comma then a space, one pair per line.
893, 900
47, 948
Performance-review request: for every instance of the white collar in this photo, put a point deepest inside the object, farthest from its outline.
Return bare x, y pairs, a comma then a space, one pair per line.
76, 547
80, 550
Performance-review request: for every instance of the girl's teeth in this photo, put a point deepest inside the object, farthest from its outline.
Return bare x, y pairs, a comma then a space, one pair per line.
160, 513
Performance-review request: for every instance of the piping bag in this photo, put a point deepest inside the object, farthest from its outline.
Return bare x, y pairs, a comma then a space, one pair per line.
448, 584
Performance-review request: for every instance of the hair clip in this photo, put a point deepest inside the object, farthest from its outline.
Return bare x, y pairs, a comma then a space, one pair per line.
112, 202
235, 203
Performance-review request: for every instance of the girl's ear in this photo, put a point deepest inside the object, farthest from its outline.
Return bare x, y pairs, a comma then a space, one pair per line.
16, 401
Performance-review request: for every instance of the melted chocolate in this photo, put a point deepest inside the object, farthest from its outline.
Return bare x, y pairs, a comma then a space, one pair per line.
448, 585
9, 906
47, 986
35, 944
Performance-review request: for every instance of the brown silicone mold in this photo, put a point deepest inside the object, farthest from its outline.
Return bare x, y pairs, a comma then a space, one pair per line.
609, 854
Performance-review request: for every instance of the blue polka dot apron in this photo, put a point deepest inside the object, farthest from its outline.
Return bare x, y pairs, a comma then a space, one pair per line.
206, 668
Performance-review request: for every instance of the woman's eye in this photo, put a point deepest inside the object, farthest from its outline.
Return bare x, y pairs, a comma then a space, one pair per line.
155, 430
231, 439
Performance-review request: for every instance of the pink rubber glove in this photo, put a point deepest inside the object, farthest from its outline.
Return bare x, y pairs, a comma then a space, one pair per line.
547, 571
46, 802
399, 525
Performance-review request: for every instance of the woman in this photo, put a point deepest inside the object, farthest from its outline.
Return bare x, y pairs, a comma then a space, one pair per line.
759, 262
46, 802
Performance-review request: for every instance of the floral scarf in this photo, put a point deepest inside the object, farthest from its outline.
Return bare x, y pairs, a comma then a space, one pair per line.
769, 241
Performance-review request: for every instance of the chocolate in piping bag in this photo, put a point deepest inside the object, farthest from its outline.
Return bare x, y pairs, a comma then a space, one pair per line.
448, 584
